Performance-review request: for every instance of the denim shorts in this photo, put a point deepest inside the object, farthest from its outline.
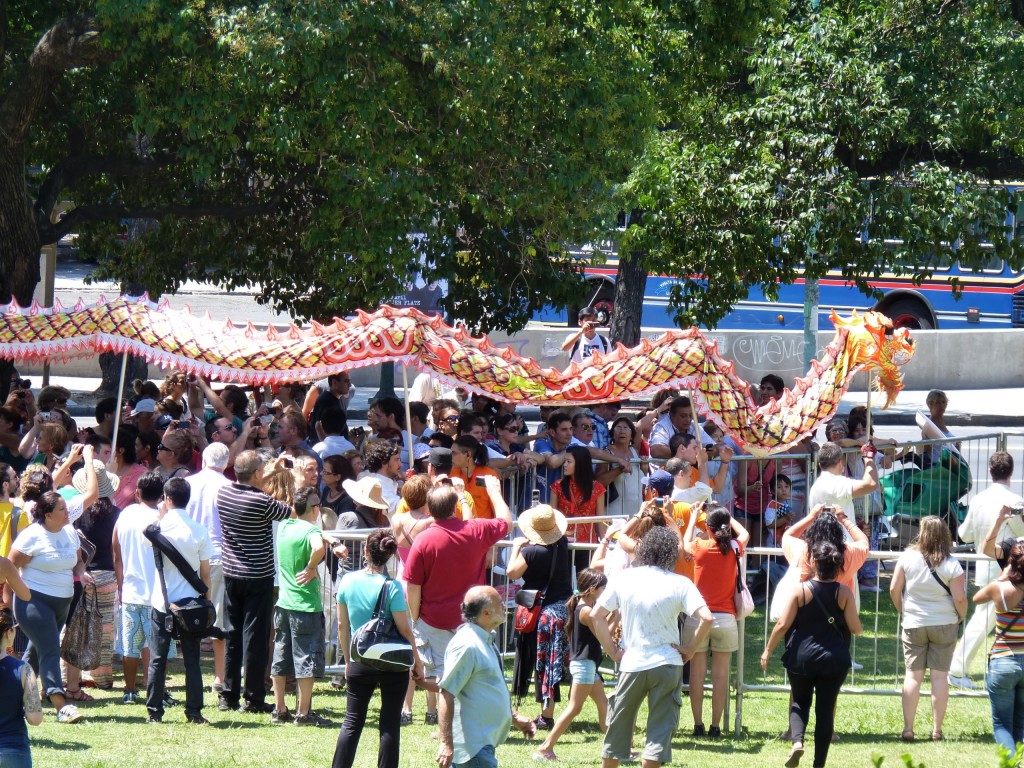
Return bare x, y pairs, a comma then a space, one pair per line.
584, 672
485, 758
298, 643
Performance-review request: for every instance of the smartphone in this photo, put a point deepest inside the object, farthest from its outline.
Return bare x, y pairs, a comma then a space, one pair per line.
267, 420
359, 431
44, 415
288, 464
180, 425
480, 482
25, 383
536, 497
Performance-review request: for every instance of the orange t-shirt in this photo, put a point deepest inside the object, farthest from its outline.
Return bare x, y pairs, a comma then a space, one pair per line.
681, 514
482, 507
715, 575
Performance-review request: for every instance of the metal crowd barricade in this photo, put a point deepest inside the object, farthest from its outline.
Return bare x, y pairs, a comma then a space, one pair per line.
879, 662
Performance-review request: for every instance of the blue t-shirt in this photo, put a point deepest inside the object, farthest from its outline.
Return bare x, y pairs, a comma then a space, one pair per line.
359, 591
546, 476
13, 731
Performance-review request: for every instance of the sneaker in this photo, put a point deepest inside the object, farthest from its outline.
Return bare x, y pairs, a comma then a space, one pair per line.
698, 730
130, 697
962, 682
313, 719
855, 666
279, 717
196, 720
169, 701
406, 719
714, 732
430, 718
226, 706
256, 708
871, 588
154, 718
69, 714
544, 723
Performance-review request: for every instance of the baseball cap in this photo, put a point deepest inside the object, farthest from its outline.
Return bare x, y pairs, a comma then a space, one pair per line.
441, 458
419, 450
145, 405
660, 481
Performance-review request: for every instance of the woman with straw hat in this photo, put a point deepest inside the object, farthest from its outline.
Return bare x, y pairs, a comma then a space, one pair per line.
541, 558
370, 512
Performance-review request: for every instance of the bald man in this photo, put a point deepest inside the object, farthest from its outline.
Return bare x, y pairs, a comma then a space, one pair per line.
474, 682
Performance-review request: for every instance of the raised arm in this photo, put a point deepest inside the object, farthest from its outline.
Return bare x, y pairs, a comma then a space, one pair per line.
989, 546
501, 511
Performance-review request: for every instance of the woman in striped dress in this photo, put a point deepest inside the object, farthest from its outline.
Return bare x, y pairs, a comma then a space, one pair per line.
1006, 659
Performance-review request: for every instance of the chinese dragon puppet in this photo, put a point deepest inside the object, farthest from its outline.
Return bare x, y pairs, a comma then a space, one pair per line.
685, 359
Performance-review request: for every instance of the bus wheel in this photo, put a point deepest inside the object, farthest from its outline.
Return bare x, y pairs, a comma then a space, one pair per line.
907, 313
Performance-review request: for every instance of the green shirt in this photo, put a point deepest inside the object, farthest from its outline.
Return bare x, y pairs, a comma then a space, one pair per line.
293, 549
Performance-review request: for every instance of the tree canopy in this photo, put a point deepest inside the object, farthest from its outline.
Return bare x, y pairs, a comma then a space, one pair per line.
898, 118
300, 145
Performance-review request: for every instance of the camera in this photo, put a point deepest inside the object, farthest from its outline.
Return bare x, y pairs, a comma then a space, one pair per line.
1018, 509
288, 464
266, 420
24, 384
536, 497
180, 425
44, 415
480, 482
659, 503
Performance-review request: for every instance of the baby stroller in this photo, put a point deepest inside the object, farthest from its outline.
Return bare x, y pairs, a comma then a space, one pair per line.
911, 493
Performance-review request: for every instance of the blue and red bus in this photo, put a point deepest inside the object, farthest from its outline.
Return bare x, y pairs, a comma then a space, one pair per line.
989, 297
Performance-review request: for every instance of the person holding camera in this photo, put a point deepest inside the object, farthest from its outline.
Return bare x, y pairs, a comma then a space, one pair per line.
586, 341
192, 540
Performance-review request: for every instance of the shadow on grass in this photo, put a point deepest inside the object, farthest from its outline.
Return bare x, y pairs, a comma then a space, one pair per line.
61, 745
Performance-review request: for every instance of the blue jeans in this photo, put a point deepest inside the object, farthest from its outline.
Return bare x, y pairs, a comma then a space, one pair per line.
1006, 695
15, 758
42, 618
485, 758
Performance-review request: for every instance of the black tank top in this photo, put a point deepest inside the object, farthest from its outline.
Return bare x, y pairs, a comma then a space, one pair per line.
584, 645
818, 643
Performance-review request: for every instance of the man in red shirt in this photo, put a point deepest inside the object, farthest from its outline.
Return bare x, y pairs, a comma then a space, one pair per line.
446, 560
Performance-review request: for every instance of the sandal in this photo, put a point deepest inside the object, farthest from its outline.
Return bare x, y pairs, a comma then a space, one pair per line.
907, 735
794, 755
937, 736
545, 754
78, 695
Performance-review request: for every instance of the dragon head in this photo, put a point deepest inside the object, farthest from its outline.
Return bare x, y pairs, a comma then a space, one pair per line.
874, 344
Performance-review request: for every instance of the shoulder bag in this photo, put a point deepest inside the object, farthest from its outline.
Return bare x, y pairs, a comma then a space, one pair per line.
530, 602
742, 599
192, 615
378, 644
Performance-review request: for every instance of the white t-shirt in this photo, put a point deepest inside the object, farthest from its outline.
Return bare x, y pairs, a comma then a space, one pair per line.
663, 430
925, 603
585, 348
650, 601
136, 554
202, 504
981, 515
835, 490
333, 445
695, 493
54, 556
192, 540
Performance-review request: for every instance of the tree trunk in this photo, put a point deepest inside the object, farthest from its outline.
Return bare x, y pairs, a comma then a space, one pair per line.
19, 242
629, 299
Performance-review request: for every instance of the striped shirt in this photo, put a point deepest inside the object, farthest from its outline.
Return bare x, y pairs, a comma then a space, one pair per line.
246, 522
1009, 629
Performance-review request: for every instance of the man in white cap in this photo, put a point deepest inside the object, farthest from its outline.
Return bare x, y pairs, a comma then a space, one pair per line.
143, 415
202, 507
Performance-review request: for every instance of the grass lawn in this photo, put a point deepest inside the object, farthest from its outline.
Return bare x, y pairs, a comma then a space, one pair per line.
118, 735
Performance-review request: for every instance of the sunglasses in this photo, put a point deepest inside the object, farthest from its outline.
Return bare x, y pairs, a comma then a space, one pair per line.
587, 427
163, 447
451, 419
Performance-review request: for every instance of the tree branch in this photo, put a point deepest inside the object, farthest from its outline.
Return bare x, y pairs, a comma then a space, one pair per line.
70, 43
1017, 10
67, 172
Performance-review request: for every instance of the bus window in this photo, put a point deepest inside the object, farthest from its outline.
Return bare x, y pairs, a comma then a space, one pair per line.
991, 264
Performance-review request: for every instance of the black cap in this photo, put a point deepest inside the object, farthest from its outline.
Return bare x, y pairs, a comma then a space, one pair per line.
441, 458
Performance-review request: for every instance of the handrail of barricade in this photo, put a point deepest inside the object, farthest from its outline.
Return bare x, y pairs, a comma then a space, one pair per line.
742, 687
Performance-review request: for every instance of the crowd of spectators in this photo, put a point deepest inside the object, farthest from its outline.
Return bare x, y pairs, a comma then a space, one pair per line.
631, 529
